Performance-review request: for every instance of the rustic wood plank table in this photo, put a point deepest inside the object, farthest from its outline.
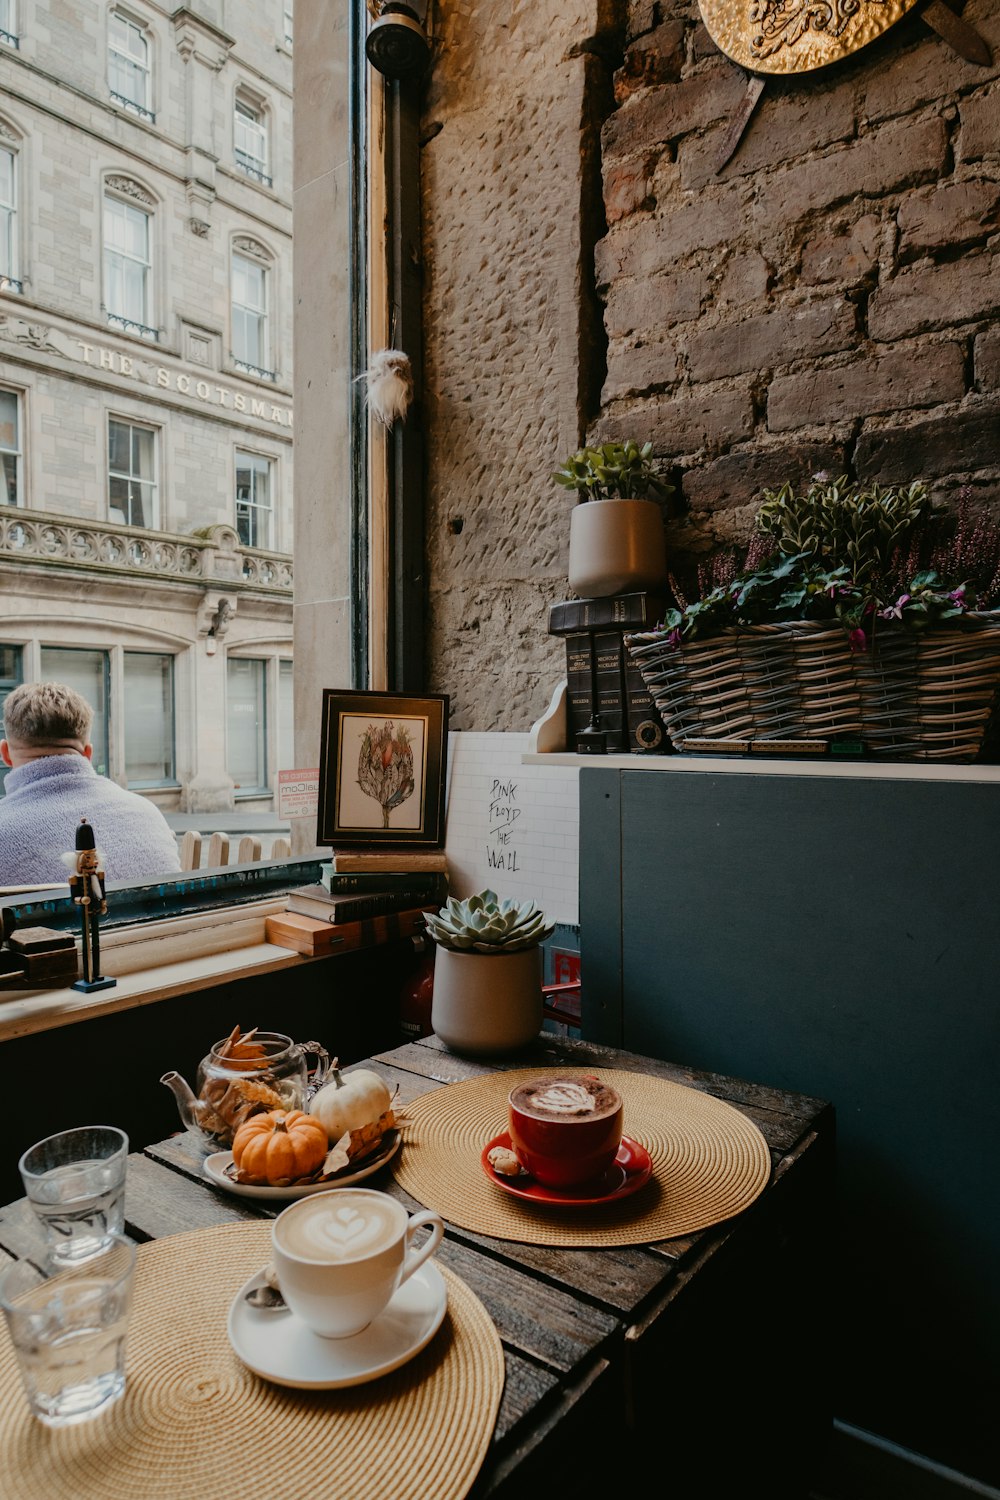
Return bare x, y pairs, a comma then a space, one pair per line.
702, 1356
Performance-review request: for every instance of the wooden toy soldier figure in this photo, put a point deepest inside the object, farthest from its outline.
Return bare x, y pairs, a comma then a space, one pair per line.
86, 886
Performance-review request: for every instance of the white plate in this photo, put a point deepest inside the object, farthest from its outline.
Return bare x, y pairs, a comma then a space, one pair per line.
216, 1164
280, 1348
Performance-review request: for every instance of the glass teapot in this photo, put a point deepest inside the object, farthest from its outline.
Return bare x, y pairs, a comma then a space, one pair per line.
243, 1075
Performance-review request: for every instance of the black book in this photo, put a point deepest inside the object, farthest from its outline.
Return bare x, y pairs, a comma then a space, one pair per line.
433, 883
599, 673
317, 901
627, 611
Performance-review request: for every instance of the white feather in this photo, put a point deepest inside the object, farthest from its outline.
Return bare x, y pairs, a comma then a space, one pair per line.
389, 377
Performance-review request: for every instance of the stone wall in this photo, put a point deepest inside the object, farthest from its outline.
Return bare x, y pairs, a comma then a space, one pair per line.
829, 300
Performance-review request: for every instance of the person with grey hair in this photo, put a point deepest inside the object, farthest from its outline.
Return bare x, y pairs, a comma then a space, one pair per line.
52, 785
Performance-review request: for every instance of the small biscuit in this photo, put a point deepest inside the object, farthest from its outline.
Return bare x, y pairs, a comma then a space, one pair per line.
503, 1162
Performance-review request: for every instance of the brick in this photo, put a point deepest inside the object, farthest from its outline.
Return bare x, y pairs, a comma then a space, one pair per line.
901, 154
628, 186
641, 247
954, 442
657, 57
925, 73
673, 297
657, 115
643, 15
702, 44
684, 423
776, 337
745, 279
918, 376
936, 296
941, 217
987, 361
980, 117
846, 257
736, 479
639, 366
778, 131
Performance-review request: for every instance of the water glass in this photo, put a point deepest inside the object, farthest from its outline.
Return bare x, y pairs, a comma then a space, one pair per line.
75, 1182
68, 1325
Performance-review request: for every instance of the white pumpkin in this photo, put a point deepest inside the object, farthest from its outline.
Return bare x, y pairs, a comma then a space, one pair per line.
350, 1101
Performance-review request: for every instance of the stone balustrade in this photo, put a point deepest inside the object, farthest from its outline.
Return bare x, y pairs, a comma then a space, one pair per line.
214, 555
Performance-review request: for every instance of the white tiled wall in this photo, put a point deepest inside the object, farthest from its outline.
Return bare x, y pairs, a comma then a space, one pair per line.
512, 827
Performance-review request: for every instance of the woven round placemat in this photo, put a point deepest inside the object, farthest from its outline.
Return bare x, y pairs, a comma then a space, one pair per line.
195, 1424
709, 1162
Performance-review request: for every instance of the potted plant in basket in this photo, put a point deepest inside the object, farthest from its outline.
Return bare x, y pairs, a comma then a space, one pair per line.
855, 611
487, 994
616, 541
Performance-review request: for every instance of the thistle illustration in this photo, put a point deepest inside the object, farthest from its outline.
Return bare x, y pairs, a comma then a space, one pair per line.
385, 766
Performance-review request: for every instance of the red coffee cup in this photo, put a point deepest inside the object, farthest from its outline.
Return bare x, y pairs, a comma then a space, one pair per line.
565, 1129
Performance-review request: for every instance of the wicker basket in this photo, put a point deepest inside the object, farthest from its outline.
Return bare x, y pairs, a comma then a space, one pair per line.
911, 697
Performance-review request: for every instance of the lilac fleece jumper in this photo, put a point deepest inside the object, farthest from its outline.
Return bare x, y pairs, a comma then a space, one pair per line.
43, 803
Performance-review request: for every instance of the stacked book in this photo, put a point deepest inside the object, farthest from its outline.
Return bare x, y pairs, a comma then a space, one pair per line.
604, 690
355, 909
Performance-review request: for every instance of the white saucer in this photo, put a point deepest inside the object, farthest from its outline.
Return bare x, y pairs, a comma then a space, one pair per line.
216, 1164
280, 1348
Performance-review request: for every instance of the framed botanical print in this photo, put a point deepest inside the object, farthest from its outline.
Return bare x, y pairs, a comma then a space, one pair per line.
383, 767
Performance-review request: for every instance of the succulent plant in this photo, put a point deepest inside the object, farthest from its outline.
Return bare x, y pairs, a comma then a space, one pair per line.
616, 471
485, 924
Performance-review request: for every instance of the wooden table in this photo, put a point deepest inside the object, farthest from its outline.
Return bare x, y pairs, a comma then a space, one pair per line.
701, 1356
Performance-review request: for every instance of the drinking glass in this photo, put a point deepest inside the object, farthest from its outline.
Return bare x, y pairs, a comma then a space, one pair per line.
67, 1324
75, 1182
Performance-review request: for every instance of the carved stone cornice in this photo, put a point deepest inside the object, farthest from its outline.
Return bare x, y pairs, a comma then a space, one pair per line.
129, 188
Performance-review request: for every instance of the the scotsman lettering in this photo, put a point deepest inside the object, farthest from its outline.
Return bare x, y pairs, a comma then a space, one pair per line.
185, 385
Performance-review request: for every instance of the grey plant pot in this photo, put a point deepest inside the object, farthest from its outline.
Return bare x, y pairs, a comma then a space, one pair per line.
485, 1003
616, 547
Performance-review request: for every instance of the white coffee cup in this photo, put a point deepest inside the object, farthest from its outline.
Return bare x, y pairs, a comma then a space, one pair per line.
341, 1255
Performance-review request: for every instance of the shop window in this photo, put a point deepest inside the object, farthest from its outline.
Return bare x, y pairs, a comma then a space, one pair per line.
286, 718
10, 678
246, 721
10, 448
128, 266
9, 266
251, 345
250, 139
149, 719
88, 673
254, 503
129, 73
132, 488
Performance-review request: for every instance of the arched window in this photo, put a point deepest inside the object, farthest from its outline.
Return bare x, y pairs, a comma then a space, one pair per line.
130, 76
250, 294
250, 138
128, 256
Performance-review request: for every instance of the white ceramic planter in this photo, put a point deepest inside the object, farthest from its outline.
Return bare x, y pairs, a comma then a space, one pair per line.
487, 1002
616, 547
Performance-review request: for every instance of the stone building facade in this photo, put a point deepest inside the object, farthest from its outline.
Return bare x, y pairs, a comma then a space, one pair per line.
146, 382
830, 300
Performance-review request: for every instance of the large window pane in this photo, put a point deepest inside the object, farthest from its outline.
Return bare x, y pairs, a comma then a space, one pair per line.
8, 217
253, 499
87, 672
126, 263
246, 716
149, 719
250, 140
249, 313
10, 449
132, 487
10, 678
286, 718
128, 61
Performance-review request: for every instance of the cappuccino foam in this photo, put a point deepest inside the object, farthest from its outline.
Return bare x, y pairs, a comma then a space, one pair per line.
340, 1226
566, 1099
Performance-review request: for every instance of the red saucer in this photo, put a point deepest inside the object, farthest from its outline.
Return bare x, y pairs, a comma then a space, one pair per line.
630, 1170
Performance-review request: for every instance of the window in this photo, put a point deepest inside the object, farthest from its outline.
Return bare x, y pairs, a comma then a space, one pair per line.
8, 22
250, 140
251, 341
10, 448
128, 65
246, 717
253, 499
8, 221
87, 671
127, 266
10, 678
286, 718
287, 10
149, 719
132, 488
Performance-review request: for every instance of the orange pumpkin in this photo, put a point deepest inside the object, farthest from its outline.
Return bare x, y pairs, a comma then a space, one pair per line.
280, 1145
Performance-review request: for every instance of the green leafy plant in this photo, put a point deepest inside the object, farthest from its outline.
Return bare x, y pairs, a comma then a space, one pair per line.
615, 471
485, 924
840, 524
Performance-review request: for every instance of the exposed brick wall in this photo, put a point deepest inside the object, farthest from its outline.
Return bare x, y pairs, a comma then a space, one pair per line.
831, 298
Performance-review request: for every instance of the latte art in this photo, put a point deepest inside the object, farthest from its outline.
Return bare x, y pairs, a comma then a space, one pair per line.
566, 1099
342, 1230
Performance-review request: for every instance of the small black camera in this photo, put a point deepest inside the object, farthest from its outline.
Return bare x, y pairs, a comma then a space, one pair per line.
397, 44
